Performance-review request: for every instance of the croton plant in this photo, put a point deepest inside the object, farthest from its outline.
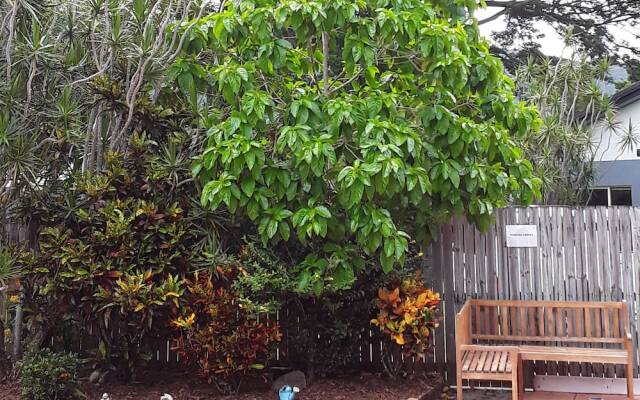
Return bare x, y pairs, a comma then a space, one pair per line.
407, 315
223, 340
114, 249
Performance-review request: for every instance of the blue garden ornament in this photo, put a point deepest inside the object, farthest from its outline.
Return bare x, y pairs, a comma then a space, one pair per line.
288, 392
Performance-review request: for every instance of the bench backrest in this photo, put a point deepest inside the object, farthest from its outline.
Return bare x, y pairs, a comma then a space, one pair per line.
544, 321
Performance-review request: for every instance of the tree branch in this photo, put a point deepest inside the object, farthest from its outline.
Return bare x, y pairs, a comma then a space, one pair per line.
506, 7
325, 62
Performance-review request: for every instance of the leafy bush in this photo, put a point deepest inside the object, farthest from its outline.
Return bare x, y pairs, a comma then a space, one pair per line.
407, 313
219, 335
50, 376
324, 331
265, 283
114, 248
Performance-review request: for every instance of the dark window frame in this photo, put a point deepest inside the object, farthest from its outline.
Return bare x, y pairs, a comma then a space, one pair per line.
624, 196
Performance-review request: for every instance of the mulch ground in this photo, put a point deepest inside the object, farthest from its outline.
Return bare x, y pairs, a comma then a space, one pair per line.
185, 387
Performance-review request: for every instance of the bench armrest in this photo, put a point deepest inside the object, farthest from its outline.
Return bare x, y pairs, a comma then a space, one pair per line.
463, 325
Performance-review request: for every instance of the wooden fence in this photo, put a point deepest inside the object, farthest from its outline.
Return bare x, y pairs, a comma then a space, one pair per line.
583, 254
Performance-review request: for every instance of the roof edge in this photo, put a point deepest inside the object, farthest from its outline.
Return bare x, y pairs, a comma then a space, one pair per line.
628, 95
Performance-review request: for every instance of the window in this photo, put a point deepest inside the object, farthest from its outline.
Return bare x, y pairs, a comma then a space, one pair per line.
610, 196
620, 196
599, 197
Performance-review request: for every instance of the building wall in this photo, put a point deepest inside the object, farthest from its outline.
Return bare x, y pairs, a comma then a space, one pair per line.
607, 143
619, 173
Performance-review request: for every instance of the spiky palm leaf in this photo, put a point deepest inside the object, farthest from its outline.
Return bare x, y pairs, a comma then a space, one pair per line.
569, 94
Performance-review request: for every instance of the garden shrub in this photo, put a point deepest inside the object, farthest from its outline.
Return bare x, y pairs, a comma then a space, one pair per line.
407, 314
265, 284
50, 376
221, 337
325, 331
114, 249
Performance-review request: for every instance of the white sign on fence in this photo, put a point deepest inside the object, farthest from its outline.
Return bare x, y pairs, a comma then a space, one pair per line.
522, 235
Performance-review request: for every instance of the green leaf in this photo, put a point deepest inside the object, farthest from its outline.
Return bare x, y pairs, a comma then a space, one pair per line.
218, 27
303, 281
356, 190
323, 211
272, 228
389, 248
400, 248
386, 263
243, 73
253, 210
248, 185
455, 179
284, 230
343, 276
186, 83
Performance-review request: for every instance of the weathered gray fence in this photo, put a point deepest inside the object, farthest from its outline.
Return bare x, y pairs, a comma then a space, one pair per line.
589, 253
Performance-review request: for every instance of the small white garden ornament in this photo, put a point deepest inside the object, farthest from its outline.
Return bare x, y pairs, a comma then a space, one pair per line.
105, 396
166, 396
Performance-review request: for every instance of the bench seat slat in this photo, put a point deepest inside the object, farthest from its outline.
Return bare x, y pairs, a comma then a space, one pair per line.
474, 362
496, 361
466, 360
503, 361
490, 360
575, 354
509, 367
482, 360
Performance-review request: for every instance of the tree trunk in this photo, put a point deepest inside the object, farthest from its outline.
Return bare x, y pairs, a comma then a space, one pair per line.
17, 330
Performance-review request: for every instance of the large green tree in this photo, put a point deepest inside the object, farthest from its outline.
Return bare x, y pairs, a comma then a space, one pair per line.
343, 127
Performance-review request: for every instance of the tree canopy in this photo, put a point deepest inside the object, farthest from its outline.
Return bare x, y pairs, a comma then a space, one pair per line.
342, 127
592, 22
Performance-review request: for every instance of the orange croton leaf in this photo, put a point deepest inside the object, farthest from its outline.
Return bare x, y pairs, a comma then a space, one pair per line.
409, 318
185, 323
395, 295
399, 338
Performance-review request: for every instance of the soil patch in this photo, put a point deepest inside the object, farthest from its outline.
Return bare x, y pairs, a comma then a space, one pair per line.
186, 387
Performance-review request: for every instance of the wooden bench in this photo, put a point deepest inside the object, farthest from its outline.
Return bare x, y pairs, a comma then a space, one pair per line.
550, 331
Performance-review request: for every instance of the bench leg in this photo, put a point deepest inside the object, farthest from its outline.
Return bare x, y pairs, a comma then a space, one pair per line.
521, 378
459, 381
630, 388
515, 376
